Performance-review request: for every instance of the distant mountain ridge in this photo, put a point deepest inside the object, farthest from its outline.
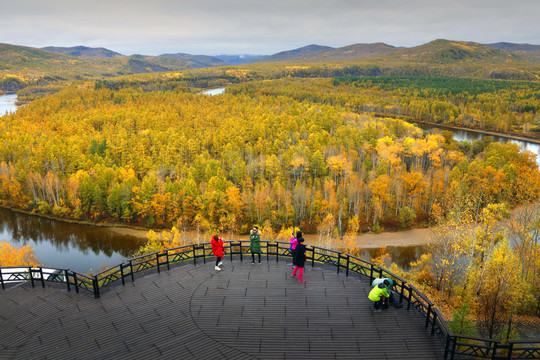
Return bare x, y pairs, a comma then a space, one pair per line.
83, 51
196, 61
240, 59
350, 52
295, 53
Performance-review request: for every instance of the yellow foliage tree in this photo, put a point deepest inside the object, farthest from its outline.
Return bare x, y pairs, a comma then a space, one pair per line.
13, 256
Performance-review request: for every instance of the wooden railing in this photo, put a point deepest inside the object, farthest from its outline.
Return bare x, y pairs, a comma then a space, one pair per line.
455, 346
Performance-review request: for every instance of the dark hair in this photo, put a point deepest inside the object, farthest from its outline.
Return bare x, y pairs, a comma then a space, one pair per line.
298, 234
215, 237
386, 282
300, 239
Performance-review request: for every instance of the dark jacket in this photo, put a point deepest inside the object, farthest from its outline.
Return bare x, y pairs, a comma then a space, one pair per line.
300, 255
255, 241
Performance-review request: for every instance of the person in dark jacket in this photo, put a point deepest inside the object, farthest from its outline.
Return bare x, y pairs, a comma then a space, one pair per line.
255, 243
299, 259
217, 248
294, 242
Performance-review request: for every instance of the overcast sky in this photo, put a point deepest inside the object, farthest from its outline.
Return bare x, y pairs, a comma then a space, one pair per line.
215, 27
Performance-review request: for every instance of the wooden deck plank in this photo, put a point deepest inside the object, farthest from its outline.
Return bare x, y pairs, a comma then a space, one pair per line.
192, 312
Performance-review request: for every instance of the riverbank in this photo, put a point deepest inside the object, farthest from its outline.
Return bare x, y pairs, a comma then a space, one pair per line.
478, 131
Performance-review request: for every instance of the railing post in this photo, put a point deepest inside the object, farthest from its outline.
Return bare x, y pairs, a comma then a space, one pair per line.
131, 269
433, 323
157, 262
2, 279
510, 349
338, 261
96, 286
401, 292
427, 316
122, 274
66, 275
75, 281
194, 255
204, 253
371, 278
348, 263
410, 298
31, 277
167, 258
446, 347
313, 257
42, 278
453, 348
277, 252
241, 252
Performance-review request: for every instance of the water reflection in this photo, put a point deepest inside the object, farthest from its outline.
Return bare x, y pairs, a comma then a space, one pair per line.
401, 255
67, 245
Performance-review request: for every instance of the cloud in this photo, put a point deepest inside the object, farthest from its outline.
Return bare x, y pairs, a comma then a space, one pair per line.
262, 27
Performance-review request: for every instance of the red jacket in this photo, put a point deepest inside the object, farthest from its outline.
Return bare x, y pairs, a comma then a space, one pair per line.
217, 247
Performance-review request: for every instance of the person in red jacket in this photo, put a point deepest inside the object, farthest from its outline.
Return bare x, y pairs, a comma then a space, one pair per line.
217, 249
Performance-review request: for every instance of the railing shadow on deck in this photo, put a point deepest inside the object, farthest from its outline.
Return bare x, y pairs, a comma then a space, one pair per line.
455, 346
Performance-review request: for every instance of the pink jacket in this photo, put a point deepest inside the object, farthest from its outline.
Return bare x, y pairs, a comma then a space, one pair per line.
294, 242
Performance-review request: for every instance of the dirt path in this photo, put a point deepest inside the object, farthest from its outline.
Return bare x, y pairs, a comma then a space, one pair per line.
413, 237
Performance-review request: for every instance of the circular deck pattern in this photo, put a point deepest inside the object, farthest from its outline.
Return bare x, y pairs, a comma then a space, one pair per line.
244, 311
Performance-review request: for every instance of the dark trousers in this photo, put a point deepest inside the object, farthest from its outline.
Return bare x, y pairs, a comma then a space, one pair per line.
253, 257
383, 302
293, 254
218, 259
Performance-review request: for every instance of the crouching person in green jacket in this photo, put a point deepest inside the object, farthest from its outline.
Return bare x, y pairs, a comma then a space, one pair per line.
377, 295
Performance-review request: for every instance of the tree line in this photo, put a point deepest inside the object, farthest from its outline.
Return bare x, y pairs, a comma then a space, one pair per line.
159, 159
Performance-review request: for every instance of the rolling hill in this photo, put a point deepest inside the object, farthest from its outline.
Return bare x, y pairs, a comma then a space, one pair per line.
346, 53
196, 61
83, 51
294, 54
446, 51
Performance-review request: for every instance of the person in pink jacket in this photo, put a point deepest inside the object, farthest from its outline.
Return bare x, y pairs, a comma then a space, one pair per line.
218, 248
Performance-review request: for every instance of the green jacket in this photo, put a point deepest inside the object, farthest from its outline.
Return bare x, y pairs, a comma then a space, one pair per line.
255, 241
376, 293
381, 280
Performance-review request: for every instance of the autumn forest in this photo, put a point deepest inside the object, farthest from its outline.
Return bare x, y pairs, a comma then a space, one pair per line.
331, 150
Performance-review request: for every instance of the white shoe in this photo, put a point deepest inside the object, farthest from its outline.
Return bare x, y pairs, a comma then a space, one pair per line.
217, 268
220, 263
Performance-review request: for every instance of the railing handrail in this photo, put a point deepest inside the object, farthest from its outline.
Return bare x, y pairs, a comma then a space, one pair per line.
182, 253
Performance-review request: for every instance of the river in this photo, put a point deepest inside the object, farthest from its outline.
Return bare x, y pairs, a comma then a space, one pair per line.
466, 135
84, 247
7, 104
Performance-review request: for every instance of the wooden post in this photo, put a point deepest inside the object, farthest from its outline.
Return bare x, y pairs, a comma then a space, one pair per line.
122, 274
66, 276
338, 261
96, 286
157, 262
75, 281
427, 316
348, 263
42, 278
31, 277
446, 347
2, 279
